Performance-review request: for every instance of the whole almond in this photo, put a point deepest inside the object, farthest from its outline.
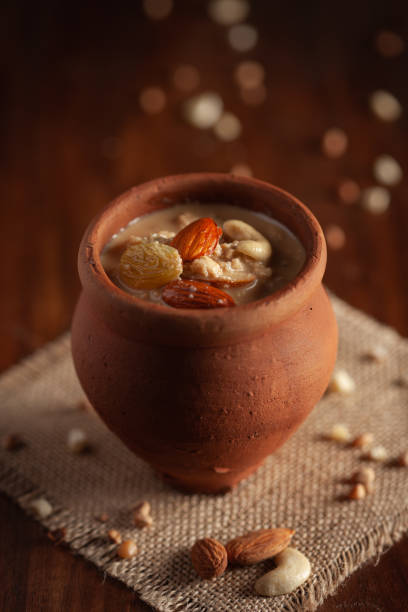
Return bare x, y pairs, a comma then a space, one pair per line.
195, 294
197, 239
209, 558
258, 545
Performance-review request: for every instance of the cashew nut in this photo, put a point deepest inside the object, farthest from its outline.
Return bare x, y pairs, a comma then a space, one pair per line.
293, 568
251, 242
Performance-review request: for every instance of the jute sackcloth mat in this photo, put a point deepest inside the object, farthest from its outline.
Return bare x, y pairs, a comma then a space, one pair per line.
301, 486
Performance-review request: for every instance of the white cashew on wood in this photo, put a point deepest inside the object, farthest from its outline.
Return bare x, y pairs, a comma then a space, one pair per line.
293, 568
250, 242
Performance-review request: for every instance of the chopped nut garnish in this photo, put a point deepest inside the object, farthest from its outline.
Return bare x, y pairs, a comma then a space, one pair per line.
377, 453
12, 442
127, 549
341, 382
357, 492
115, 536
141, 515
363, 440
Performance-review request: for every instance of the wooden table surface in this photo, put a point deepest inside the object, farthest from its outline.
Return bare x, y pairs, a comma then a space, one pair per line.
74, 136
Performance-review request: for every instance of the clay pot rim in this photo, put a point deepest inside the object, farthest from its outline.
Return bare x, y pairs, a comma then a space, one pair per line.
223, 322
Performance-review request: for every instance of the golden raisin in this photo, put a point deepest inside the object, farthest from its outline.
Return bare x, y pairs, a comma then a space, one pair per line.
148, 265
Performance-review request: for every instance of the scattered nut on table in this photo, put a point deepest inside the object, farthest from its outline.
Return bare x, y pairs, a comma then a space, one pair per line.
364, 475
358, 491
341, 382
292, 569
115, 536
339, 433
41, 507
141, 515
363, 440
377, 453
77, 441
258, 545
127, 549
209, 558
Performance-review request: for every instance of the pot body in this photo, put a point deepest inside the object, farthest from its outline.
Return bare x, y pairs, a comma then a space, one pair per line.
204, 413
207, 417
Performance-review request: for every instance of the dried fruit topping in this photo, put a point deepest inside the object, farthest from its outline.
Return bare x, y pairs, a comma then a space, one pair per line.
197, 239
148, 265
258, 545
195, 294
209, 558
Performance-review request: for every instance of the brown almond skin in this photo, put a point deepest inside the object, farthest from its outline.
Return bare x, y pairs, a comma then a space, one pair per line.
256, 546
195, 294
209, 558
197, 239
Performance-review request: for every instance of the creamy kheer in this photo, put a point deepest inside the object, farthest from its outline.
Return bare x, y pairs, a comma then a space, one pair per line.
245, 254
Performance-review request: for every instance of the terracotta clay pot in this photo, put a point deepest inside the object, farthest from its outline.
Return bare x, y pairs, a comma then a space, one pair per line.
204, 395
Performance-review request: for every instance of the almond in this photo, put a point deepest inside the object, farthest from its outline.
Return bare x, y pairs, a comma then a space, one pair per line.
258, 545
197, 239
209, 558
195, 294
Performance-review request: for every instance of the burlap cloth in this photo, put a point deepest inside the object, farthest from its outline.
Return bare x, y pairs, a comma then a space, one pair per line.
301, 486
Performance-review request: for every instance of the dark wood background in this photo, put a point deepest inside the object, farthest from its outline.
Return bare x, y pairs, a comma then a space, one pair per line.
73, 136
